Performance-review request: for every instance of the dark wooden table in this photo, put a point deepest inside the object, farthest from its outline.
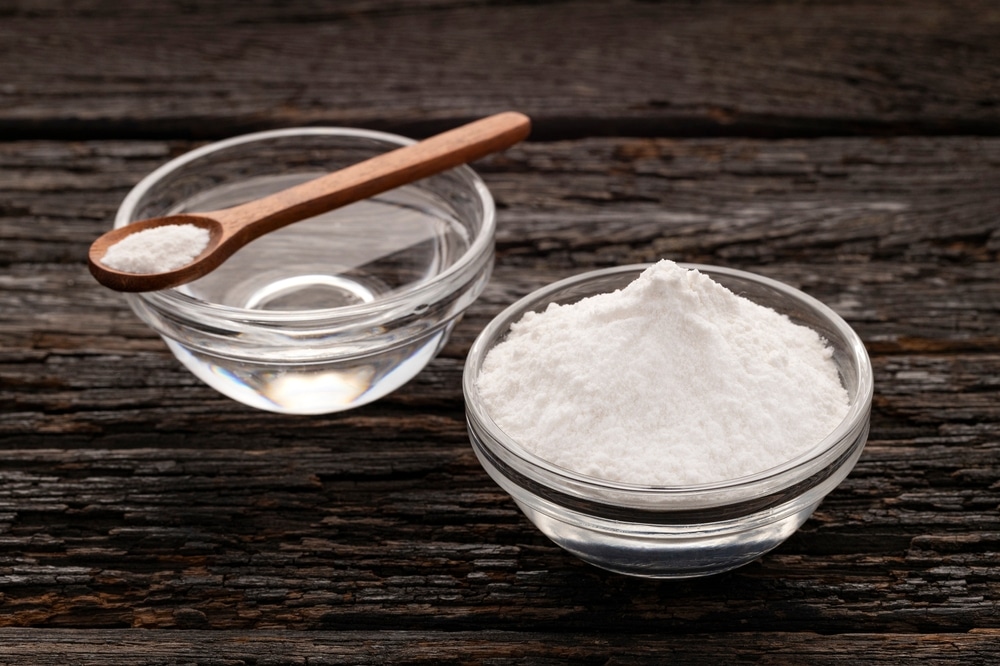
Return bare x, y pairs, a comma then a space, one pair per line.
850, 149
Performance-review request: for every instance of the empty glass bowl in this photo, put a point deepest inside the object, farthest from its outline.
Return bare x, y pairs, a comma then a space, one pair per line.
681, 531
332, 312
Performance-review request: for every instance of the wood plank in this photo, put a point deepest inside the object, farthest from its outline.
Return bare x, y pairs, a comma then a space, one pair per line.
54, 647
586, 67
415, 536
858, 223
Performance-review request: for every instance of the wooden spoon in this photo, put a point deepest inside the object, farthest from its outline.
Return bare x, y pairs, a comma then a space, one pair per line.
232, 228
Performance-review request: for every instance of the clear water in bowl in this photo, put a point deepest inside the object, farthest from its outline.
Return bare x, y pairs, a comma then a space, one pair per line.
331, 260
328, 261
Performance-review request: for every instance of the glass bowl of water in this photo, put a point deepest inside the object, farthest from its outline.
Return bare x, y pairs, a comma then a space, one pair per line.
682, 530
332, 312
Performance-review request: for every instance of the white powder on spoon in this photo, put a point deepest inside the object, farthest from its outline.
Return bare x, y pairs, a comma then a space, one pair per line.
157, 250
673, 380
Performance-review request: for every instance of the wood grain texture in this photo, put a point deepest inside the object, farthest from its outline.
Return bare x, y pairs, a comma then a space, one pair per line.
213, 69
54, 647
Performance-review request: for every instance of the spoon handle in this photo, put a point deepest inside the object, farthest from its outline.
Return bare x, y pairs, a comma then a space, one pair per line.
373, 176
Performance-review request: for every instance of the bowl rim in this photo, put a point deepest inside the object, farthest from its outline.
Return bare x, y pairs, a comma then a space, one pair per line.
430, 291
797, 468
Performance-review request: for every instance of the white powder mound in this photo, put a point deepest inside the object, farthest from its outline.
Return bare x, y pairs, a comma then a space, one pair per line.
673, 380
157, 250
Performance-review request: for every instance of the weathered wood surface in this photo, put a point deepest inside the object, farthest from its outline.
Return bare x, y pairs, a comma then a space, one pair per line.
133, 497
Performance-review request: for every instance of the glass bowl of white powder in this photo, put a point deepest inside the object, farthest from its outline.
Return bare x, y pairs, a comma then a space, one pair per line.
331, 312
669, 420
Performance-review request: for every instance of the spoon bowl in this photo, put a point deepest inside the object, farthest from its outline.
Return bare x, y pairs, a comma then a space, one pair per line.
232, 228
209, 259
